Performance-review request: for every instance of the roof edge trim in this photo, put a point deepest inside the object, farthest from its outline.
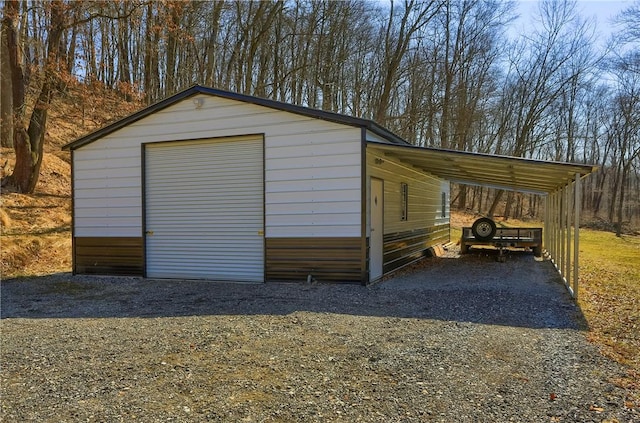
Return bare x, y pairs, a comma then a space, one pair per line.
199, 89
587, 168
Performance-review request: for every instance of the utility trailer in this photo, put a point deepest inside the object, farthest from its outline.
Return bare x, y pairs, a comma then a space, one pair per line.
485, 232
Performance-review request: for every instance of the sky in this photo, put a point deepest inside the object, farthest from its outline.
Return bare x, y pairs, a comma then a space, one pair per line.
601, 11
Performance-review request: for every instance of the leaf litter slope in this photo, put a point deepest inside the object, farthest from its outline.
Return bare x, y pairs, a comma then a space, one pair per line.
36, 228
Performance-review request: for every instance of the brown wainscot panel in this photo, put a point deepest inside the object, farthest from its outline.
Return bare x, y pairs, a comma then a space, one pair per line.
403, 248
336, 260
122, 256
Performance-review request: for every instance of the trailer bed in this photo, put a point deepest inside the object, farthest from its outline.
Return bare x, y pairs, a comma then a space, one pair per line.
504, 238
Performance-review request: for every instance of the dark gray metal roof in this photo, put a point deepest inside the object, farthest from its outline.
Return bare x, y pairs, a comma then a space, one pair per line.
512, 173
198, 89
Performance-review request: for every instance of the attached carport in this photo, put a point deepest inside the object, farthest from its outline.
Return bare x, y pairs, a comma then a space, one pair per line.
557, 182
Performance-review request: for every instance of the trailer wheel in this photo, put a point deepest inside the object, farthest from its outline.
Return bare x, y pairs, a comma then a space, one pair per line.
484, 229
537, 251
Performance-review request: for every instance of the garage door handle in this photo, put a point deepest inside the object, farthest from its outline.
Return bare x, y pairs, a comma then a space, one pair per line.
149, 233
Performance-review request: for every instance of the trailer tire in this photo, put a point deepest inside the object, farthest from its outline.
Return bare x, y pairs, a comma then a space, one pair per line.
537, 251
484, 229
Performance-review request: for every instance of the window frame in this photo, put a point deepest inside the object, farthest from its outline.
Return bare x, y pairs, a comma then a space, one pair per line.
404, 201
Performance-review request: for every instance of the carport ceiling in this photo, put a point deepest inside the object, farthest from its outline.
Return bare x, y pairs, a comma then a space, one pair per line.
511, 173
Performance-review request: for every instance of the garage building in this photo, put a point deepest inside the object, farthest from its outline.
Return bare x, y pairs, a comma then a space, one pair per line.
210, 184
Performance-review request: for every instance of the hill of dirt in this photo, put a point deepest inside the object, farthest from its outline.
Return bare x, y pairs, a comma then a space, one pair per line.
36, 228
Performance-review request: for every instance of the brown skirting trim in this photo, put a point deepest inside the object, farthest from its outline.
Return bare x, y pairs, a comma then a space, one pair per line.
122, 256
402, 248
325, 259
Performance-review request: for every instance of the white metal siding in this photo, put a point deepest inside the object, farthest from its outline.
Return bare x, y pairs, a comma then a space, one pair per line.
107, 191
311, 166
204, 209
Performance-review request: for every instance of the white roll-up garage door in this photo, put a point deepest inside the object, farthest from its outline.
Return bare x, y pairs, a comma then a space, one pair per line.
204, 204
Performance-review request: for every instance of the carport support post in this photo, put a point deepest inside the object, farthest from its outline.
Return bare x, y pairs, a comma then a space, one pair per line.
547, 212
563, 231
576, 234
557, 257
568, 259
552, 232
550, 225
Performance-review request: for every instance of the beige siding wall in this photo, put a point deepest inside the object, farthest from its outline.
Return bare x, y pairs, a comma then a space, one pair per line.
312, 168
425, 194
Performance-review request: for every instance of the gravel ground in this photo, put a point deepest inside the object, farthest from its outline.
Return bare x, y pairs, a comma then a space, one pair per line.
464, 340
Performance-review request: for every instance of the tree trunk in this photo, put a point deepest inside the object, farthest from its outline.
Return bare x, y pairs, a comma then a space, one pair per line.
462, 199
6, 94
614, 193
621, 202
496, 201
13, 76
508, 205
29, 143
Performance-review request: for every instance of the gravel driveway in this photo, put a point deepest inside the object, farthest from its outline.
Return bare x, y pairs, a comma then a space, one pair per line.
451, 340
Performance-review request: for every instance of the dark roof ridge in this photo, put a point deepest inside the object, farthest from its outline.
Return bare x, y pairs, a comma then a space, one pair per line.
199, 89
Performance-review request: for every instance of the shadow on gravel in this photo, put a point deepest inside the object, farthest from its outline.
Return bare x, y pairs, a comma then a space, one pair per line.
522, 292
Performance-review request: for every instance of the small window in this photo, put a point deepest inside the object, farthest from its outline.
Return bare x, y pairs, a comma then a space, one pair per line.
444, 204
404, 201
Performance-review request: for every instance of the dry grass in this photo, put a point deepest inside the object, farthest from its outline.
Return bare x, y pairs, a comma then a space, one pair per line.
36, 228
610, 299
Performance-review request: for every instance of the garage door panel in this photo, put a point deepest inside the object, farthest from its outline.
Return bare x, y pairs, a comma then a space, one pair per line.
205, 209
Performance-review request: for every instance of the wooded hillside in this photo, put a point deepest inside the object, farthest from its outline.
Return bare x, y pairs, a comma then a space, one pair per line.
438, 73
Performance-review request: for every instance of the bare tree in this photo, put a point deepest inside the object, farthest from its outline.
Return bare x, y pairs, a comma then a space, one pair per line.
544, 67
6, 94
396, 42
28, 139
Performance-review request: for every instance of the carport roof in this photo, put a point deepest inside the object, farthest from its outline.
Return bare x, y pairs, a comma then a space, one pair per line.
504, 172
